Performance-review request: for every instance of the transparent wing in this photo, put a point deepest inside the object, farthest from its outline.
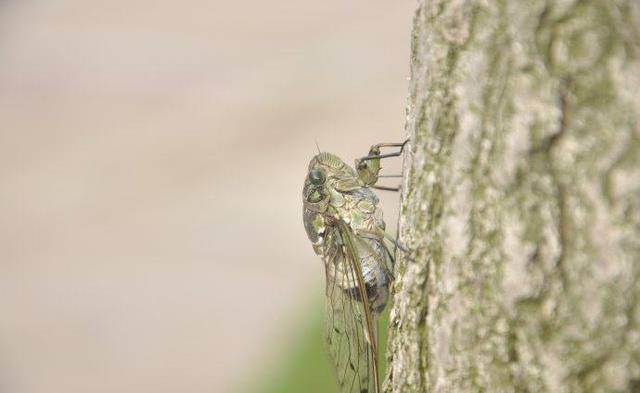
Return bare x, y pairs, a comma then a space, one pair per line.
350, 330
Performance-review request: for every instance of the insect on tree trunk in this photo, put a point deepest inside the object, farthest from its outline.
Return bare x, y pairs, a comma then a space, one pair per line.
521, 200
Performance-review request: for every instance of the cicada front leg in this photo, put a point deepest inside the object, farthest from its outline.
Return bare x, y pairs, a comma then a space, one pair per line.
368, 167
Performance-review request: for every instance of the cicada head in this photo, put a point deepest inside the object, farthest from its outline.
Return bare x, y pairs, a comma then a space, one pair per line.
327, 176
315, 194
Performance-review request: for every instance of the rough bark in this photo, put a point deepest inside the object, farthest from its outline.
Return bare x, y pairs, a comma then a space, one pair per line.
521, 202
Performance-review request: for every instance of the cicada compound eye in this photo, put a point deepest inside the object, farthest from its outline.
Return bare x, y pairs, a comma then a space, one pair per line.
317, 176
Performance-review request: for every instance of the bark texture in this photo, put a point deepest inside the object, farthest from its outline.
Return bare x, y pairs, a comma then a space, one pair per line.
521, 202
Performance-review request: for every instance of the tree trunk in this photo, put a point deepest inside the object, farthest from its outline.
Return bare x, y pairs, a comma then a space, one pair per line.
521, 201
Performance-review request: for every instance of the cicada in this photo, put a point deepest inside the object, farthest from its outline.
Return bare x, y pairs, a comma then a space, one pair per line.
343, 219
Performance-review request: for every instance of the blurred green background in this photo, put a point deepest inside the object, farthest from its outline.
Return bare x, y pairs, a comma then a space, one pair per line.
152, 155
306, 366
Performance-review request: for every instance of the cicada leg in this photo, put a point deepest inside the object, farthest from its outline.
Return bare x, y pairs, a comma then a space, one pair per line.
368, 167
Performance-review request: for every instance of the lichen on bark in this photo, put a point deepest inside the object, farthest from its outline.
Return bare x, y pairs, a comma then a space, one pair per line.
521, 200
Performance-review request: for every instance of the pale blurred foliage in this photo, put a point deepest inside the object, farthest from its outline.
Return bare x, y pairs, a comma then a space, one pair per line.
151, 158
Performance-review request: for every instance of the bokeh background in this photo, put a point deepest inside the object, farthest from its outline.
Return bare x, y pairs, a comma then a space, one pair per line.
151, 161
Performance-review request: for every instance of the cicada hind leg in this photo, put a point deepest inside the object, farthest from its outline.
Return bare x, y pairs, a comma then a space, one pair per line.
368, 167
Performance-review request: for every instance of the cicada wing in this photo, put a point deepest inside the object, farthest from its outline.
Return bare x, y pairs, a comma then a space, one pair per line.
348, 347
350, 330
